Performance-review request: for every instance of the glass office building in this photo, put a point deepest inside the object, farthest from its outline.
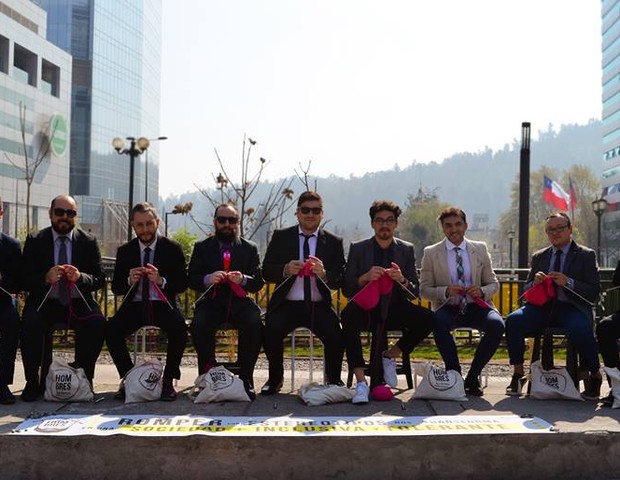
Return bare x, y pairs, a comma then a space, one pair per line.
116, 49
35, 99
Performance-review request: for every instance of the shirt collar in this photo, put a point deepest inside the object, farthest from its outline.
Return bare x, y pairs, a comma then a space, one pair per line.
68, 236
452, 246
151, 246
313, 234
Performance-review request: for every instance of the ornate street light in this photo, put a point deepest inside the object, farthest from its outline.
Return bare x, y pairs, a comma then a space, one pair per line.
599, 206
136, 147
178, 208
511, 237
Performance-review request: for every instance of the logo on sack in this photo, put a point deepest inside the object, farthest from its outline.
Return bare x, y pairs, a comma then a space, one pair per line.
149, 379
220, 378
554, 381
65, 383
440, 379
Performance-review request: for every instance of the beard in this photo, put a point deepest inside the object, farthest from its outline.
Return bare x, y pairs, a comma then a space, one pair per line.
226, 235
62, 227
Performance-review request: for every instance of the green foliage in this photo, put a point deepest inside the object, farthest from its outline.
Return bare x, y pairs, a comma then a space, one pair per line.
418, 223
186, 239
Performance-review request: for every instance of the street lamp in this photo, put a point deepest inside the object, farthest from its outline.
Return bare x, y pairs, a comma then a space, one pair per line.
136, 147
511, 237
599, 206
146, 169
178, 208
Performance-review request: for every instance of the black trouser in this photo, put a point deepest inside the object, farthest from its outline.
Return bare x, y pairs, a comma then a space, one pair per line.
320, 318
607, 334
244, 315
87, 323
9, 335
415, 322
130, 318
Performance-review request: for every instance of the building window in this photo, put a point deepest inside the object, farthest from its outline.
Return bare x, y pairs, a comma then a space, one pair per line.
4, 54
50, 78
25, 65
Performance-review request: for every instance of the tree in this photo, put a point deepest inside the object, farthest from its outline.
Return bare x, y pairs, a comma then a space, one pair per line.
186, 239
42, 143
418, 223
586, 185
269, 210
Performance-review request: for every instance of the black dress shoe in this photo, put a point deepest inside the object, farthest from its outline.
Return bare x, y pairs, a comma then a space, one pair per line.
516, 385
472, 387
6, 397
271, 388
31, 392
608, 401
168, 393
120, 395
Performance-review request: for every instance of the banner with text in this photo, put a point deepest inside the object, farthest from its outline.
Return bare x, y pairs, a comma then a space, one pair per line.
182, 425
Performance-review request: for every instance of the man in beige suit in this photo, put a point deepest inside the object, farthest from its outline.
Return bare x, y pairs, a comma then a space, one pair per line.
458, 279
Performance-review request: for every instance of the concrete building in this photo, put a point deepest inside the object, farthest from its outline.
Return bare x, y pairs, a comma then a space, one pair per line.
116, 49
611, 130
35, 99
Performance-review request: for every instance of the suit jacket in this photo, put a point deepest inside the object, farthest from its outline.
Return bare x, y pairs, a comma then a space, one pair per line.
580, 265
39, 258
435, 272
207, 258
361, 259
284, 247
616, 278
11, 267
169, 260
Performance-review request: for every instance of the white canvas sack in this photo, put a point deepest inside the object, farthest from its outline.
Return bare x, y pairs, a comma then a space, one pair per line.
67, 384
614, 376
220, 385
439, 384
554, 384
313, 394
143, 383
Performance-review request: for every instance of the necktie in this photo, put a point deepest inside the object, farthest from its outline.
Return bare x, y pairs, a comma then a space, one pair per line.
63, 285
460, 274
145, 280
557, 265
307, 289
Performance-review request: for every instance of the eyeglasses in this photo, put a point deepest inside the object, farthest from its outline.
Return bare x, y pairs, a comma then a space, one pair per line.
384, 221
560, 229
61, 212
307, 210
231, 220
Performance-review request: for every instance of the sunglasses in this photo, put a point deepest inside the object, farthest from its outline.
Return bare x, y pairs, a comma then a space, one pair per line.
307, 210
61, 212
231, 220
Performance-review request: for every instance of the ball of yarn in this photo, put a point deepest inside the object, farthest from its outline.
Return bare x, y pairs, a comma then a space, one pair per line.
382, 393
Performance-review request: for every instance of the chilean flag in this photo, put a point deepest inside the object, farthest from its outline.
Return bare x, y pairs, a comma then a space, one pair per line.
555, 195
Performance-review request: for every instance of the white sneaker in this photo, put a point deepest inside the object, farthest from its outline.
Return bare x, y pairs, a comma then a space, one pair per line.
389, 371
361, 393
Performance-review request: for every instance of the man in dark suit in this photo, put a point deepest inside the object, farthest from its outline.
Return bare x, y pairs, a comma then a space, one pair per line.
574, 272
608, 333
150, 273
218, 263
10, 283
62, 269
305, 262
458, 278
371, 260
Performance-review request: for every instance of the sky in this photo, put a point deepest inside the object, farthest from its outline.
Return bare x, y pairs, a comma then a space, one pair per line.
357, 86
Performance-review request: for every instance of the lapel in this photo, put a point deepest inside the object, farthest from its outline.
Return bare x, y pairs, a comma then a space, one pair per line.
545, 259
321, 245
570, 256
441, 254
474, 261
75, 247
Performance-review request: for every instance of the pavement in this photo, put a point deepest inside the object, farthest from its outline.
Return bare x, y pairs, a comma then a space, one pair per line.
585, 431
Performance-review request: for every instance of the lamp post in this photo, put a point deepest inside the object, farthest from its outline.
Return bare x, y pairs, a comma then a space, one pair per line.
146, 168
136, 147
179, 208
511, 237
599, 206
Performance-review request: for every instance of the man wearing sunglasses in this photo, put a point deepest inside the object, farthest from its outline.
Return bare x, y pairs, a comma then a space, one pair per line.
382, 258
223, 268
304, 262
62, 270
149, 273
573, 271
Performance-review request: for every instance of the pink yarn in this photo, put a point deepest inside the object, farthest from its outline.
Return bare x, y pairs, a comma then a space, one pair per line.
382, 393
